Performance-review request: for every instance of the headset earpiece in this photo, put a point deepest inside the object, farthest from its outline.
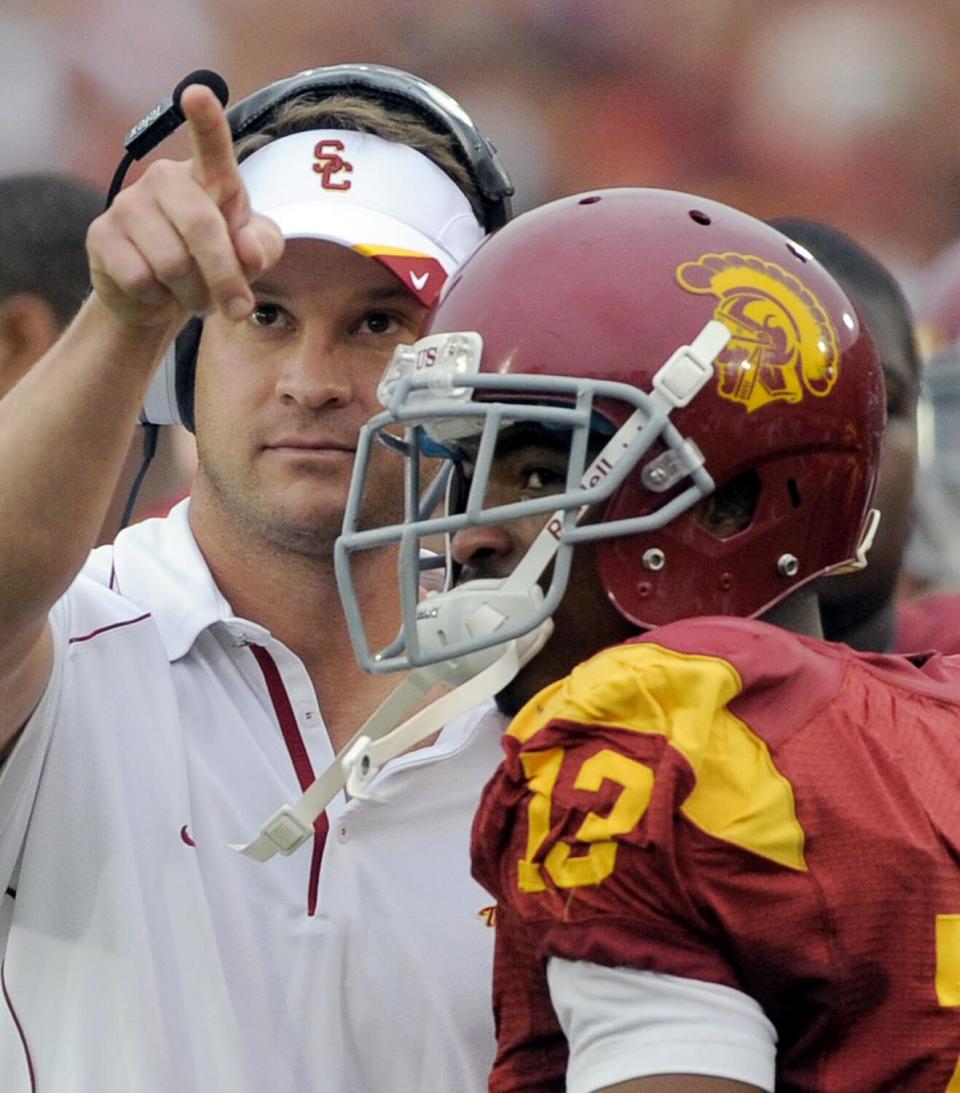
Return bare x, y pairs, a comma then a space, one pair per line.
185, 348
169, 399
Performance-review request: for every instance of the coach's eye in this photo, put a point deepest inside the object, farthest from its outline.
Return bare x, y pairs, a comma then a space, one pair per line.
269, 316
378, 322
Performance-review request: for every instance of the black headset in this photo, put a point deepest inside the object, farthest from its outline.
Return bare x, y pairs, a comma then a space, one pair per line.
170, 400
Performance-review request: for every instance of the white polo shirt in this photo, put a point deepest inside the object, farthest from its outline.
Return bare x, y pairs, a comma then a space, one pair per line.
144, 956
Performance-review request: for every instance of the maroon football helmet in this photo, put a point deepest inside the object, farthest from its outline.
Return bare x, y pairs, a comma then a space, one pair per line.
721, 356
606, 286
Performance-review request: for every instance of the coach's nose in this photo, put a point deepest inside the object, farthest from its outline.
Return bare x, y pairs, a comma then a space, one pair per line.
319, 369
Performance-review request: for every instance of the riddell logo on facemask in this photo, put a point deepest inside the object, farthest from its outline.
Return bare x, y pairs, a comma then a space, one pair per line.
603, 467
329, 162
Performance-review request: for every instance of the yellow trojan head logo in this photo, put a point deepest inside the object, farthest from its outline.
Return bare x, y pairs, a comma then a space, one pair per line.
783, 342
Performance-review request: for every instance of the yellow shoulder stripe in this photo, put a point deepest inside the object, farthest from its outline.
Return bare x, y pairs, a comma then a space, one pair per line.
740, 796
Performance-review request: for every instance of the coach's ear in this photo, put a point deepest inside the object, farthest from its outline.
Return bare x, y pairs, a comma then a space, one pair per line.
28, 327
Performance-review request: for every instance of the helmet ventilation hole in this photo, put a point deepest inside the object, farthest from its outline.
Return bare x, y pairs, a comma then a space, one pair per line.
588, 200
699, 217
794, 490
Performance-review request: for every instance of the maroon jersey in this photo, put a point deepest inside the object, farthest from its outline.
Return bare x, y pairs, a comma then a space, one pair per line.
930, 623
723, 800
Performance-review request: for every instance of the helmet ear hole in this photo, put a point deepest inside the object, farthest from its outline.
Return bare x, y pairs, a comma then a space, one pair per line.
731, 507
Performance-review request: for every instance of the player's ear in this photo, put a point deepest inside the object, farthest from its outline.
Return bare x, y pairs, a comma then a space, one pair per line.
28, 327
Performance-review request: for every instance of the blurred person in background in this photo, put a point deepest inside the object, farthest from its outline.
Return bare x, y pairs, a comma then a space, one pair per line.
866, 609
44, 279
932, 567
930, 611
163, 695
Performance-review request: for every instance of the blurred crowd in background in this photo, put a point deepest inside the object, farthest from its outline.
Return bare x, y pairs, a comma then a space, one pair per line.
840, 110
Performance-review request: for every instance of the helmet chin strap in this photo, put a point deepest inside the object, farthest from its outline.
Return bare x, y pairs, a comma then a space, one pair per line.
385, 735
475, 609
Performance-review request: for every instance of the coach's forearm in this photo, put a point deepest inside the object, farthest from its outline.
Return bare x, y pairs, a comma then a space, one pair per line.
64, 432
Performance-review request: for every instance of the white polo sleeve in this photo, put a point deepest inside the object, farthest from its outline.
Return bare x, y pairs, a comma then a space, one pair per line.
622, 1023
20, 772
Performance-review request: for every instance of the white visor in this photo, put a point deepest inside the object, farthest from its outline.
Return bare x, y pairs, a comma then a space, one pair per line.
381, 199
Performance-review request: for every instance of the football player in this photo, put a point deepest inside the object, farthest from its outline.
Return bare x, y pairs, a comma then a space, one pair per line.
724, 849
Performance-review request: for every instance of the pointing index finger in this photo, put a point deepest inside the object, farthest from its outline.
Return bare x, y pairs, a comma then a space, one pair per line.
214, 162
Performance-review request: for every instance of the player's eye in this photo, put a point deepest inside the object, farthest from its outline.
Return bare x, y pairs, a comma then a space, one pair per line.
378, 322
542, 479
269, 316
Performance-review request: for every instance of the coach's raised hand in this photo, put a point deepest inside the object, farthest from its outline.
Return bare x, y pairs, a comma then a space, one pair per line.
183, 238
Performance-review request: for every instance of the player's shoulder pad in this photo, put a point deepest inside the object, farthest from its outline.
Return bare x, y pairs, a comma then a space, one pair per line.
749, 644
636, 683
696, 666
656, 697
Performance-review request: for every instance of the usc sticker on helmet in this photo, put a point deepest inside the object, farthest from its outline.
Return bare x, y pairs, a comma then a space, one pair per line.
784, 344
